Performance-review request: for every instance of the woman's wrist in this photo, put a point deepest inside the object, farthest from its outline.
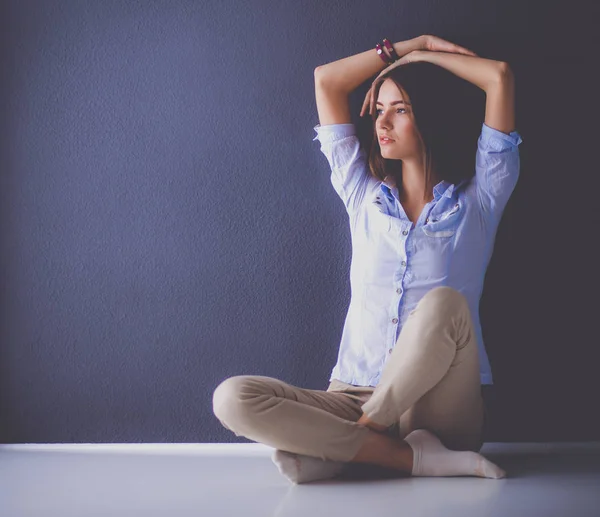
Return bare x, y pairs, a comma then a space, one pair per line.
404, 47
347, 74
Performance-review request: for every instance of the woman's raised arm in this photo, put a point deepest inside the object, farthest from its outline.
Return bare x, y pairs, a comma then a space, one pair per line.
347, 74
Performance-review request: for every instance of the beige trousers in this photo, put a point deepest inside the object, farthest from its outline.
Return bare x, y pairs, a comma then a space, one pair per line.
430, 381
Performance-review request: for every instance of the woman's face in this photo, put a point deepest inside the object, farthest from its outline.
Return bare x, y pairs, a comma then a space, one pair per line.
396, 120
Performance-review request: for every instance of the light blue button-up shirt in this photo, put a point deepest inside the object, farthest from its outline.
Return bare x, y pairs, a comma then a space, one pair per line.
395, 263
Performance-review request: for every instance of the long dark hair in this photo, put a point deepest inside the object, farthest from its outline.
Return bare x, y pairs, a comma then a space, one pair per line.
443, 107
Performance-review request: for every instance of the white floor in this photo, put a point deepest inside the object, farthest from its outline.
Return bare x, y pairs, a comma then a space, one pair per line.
177, 480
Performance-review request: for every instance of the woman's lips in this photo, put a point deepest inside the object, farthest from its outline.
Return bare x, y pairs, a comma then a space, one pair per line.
383, 142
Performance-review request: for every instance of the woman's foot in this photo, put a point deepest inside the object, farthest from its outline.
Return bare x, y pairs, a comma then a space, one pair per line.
431, 458
299, 468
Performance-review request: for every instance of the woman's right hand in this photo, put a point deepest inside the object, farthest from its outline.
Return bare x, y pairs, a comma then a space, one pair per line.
435, 44
426, 42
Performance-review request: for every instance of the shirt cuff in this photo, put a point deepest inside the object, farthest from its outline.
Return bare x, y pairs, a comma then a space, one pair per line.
331, 132
498, 140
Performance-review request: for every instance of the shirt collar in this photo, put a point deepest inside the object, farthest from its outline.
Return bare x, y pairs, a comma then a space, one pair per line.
443, 188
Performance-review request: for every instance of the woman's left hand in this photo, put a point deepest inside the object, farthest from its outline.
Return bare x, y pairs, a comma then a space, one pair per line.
429, 43
411, 57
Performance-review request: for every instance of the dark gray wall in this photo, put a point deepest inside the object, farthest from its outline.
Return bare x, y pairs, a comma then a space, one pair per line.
168, 222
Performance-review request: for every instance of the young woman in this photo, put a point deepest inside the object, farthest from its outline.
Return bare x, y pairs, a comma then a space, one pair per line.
406, 390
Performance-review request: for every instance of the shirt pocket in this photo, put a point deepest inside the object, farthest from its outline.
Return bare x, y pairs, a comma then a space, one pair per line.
445, 224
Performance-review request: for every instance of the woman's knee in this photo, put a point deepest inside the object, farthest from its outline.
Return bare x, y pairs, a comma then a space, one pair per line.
227, 400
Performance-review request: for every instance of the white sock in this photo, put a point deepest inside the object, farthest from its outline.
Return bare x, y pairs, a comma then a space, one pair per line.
299, 468
431, 458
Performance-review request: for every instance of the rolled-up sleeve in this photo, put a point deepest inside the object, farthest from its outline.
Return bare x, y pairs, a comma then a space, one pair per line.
497, 165
350, 175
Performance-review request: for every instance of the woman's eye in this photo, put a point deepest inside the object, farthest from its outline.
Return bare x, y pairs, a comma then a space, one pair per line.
377, 111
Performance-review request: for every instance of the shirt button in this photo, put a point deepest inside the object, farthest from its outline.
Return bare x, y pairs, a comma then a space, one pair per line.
395, 320
390, 351
399, 290
405, 232
403, 263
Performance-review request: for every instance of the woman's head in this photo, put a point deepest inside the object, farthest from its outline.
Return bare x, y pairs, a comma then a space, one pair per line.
394, 118
424, 126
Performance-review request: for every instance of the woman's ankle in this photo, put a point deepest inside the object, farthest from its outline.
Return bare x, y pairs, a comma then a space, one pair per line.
386, 451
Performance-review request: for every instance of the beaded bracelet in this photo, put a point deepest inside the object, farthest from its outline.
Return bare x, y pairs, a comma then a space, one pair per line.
391, 50
384, 57
388, 60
